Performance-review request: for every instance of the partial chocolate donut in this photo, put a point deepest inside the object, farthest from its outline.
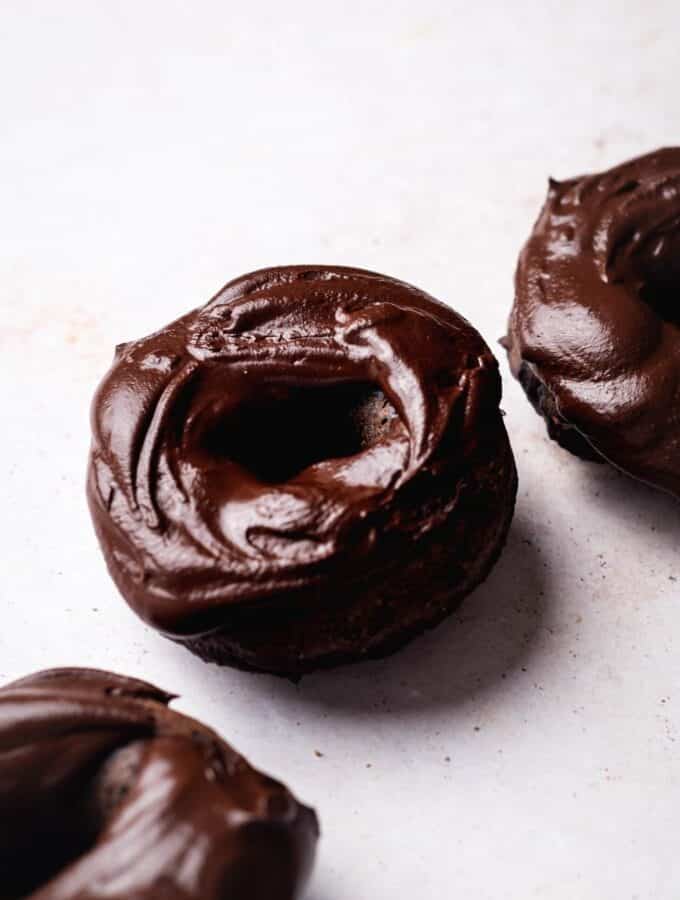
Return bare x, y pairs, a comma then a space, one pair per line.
105, 792
594, 334
308, 470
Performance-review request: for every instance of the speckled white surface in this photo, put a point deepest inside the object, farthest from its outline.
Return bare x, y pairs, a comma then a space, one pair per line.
150, 151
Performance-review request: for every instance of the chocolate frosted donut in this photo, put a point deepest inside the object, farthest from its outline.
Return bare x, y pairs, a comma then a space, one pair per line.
594, 334
308, 470
105, 792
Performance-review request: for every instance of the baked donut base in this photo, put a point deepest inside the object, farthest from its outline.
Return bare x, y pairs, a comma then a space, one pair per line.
559, 430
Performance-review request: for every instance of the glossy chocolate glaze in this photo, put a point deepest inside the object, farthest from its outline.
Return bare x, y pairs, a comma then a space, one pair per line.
594, 333
268, 459
105, 792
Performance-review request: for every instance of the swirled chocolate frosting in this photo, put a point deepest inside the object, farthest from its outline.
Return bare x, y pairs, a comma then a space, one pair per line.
106, 793
272, 458
594, 333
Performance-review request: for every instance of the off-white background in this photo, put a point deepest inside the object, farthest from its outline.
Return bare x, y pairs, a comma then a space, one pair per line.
150, 151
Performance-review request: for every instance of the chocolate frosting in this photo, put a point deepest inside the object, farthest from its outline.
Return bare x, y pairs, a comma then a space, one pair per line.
112, 794
594, 332
304, 430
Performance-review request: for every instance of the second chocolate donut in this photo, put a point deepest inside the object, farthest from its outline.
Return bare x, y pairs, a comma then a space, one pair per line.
594, 332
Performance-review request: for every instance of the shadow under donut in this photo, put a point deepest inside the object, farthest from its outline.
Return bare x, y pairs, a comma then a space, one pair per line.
491, 636
634, 503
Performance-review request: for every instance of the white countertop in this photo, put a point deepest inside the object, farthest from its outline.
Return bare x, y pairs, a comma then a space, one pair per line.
149, 152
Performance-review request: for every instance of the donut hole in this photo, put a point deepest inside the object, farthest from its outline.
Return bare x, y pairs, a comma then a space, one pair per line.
284, 429
53, 838
657, 268
65, 827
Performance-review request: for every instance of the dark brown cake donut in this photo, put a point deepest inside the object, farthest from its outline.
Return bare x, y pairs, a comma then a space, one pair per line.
105, 792
594, 334
308, 470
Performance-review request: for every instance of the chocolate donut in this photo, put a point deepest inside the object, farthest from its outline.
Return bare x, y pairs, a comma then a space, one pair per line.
594, 334
308, 470
105, 792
